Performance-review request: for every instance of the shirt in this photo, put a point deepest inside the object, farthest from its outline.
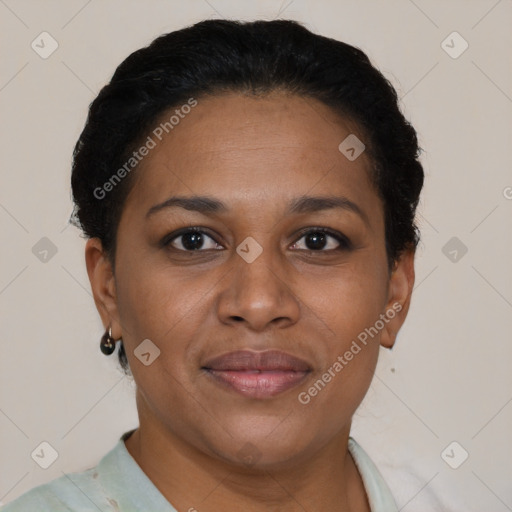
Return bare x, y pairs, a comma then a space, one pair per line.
118, 484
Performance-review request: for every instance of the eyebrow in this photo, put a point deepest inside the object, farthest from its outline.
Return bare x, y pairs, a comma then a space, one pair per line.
302, 204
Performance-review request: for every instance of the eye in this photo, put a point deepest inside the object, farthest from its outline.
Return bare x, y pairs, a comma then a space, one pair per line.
190, 239
315, 240
322, 240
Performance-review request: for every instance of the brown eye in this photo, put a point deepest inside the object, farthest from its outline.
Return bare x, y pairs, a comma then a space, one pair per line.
322, 240
190, 239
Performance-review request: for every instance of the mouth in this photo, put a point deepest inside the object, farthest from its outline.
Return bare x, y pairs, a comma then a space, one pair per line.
258, 374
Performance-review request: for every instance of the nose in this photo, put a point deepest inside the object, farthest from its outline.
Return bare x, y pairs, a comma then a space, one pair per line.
258, 294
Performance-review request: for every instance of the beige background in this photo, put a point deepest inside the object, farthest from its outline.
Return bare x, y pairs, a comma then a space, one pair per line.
449, 377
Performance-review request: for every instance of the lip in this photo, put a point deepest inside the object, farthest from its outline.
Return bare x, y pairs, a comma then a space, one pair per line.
258, 374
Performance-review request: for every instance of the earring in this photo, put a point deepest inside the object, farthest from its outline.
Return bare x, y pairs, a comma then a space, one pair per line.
107, 343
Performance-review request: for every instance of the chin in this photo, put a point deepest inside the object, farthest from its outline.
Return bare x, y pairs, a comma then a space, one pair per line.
264, 443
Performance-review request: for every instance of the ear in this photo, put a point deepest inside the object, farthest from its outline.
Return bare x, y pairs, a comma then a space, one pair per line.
401, 284
101, 277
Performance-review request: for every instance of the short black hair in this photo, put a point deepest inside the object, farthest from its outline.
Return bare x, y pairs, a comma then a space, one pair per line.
258, 57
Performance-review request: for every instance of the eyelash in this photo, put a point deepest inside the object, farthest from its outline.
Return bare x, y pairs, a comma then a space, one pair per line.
344, 243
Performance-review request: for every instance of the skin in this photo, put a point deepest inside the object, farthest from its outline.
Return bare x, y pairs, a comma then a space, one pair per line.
255, 155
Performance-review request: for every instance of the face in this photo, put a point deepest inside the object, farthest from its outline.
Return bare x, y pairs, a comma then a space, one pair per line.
260, 312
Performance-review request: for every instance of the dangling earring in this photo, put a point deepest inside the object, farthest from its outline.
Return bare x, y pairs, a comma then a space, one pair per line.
107, 343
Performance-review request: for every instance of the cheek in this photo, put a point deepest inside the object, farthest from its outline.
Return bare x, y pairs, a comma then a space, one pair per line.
349, 299
152, 297
167, 306
349, 303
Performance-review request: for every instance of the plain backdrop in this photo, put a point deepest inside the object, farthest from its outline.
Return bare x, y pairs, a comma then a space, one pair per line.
449, 377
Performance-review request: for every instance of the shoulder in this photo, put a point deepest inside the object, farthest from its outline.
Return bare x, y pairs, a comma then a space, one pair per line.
68, 493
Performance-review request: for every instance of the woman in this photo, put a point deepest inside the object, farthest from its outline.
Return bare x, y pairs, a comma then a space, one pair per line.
248, 192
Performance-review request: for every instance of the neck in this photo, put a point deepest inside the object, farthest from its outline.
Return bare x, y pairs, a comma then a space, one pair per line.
192, 480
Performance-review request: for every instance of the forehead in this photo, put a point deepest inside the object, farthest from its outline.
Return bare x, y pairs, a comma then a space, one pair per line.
241, 146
